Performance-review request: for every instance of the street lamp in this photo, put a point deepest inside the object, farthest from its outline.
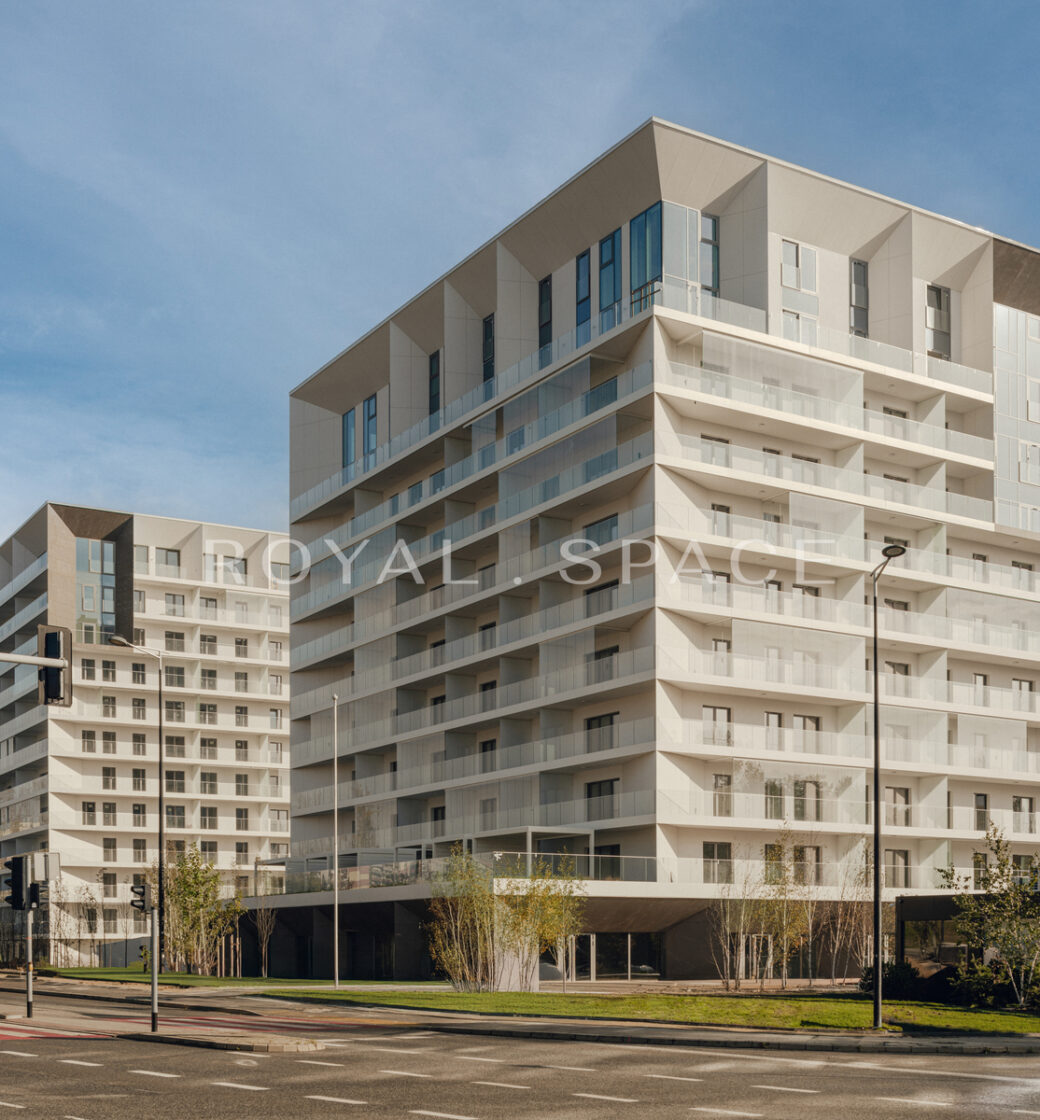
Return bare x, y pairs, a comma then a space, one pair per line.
117, 640
889, 552
335, 840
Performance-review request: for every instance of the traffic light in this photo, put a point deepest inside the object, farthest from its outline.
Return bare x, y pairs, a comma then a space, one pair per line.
55, 684
142, 899
34, 896
15, 883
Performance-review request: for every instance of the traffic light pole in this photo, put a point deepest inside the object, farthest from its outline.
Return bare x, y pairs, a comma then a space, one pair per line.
155, 971
28, 964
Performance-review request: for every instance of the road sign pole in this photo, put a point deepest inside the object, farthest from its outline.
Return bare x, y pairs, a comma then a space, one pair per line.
28, 964
155, 971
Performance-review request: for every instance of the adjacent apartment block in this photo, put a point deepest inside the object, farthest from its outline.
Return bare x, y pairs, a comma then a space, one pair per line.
664, 424
212, 602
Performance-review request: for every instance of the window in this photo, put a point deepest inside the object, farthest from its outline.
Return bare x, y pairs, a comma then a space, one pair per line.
808, 801
349, 437
599, 799
487, 695
488, 348
774, 722
434, 382
275, 750
207, 748
241, 853
138, 636
208, 817
208, 781
799, 328
108, 742
167, 561
718, 728
174, 641
274, 651
644, 239
207, 607
139, 707
88, 741
139, 674
241, 820
235, 569
610, 281
242, 785
176, 849
274, 684
774, 863
603, 531
108, 706
858, 299
174, 746
369, 428
208, 680
718, 862
807, 863
602, 597
602, 664
897, 868
108, 777
174, 676
1022, 811
174, 711
141, 559
208, 850
138, 781
774, 800
279, 820
139, 744
140, 817
241, 716
798, 267
175, 605
722, 795
981, 812
109, 850
241, 647
207, 643
108, 671
937, 322
140, 850
275, 717
175, 816
583, 298
241, 750
108, 813
241, 682
174, 781
89, 812
544, 320
709, 262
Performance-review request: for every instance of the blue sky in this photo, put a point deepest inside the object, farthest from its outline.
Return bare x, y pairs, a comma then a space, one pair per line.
201, 203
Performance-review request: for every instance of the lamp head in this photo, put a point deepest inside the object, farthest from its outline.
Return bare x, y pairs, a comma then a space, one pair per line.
891, 551
119, 640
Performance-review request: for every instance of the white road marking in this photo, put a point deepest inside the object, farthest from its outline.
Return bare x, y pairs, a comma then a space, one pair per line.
315, 1062
576, 1069
153, 1073
500, 1085
474, 1058
74, 1062
238, 1085
335, 1100
442, 1115
398, 1050
726, 1112
404, 1073
673, 1077
910, 1100
20, 1053
784, 1089
413, 1034
600, 1097
937, 1072
7, 1104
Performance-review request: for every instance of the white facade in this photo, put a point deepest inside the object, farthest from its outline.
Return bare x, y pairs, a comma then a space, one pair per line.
739, 379
82, 781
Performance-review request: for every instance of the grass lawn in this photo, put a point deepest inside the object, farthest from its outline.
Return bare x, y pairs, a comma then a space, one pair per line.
780, 1011
134, 975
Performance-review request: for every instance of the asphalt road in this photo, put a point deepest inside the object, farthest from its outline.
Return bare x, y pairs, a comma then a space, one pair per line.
371, 1067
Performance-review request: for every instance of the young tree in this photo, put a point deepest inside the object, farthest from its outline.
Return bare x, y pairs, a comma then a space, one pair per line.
264, 917
1002, 923
461, 929
197, 917
734, 914
783, 919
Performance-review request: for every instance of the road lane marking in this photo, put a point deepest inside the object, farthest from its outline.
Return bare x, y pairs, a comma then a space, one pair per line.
910, 1100
726, 1112
673, 1077
398, 1050
7, 1104
414, 1034
442, 1115
237, 1085
474, 1058
74, 1062
152, 1073
600, 1097
20, 1053
784, 1089
404, 1073
315, 1062
575, 1069
500, 1084
335, 1100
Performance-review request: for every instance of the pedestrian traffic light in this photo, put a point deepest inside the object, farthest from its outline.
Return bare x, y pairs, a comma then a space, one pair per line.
33, 900
55, 683
142, 899
14, 884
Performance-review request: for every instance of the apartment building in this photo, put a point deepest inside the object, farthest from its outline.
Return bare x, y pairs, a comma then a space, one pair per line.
728, 382
211, 604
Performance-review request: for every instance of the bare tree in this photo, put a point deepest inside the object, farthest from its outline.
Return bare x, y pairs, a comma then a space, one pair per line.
264, 918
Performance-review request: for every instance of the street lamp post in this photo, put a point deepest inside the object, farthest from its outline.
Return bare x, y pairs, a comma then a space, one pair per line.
335, 840
889, 552
117, 640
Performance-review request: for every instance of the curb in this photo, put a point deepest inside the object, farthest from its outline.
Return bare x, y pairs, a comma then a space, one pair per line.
273, 1045
114, 997
836, 1044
